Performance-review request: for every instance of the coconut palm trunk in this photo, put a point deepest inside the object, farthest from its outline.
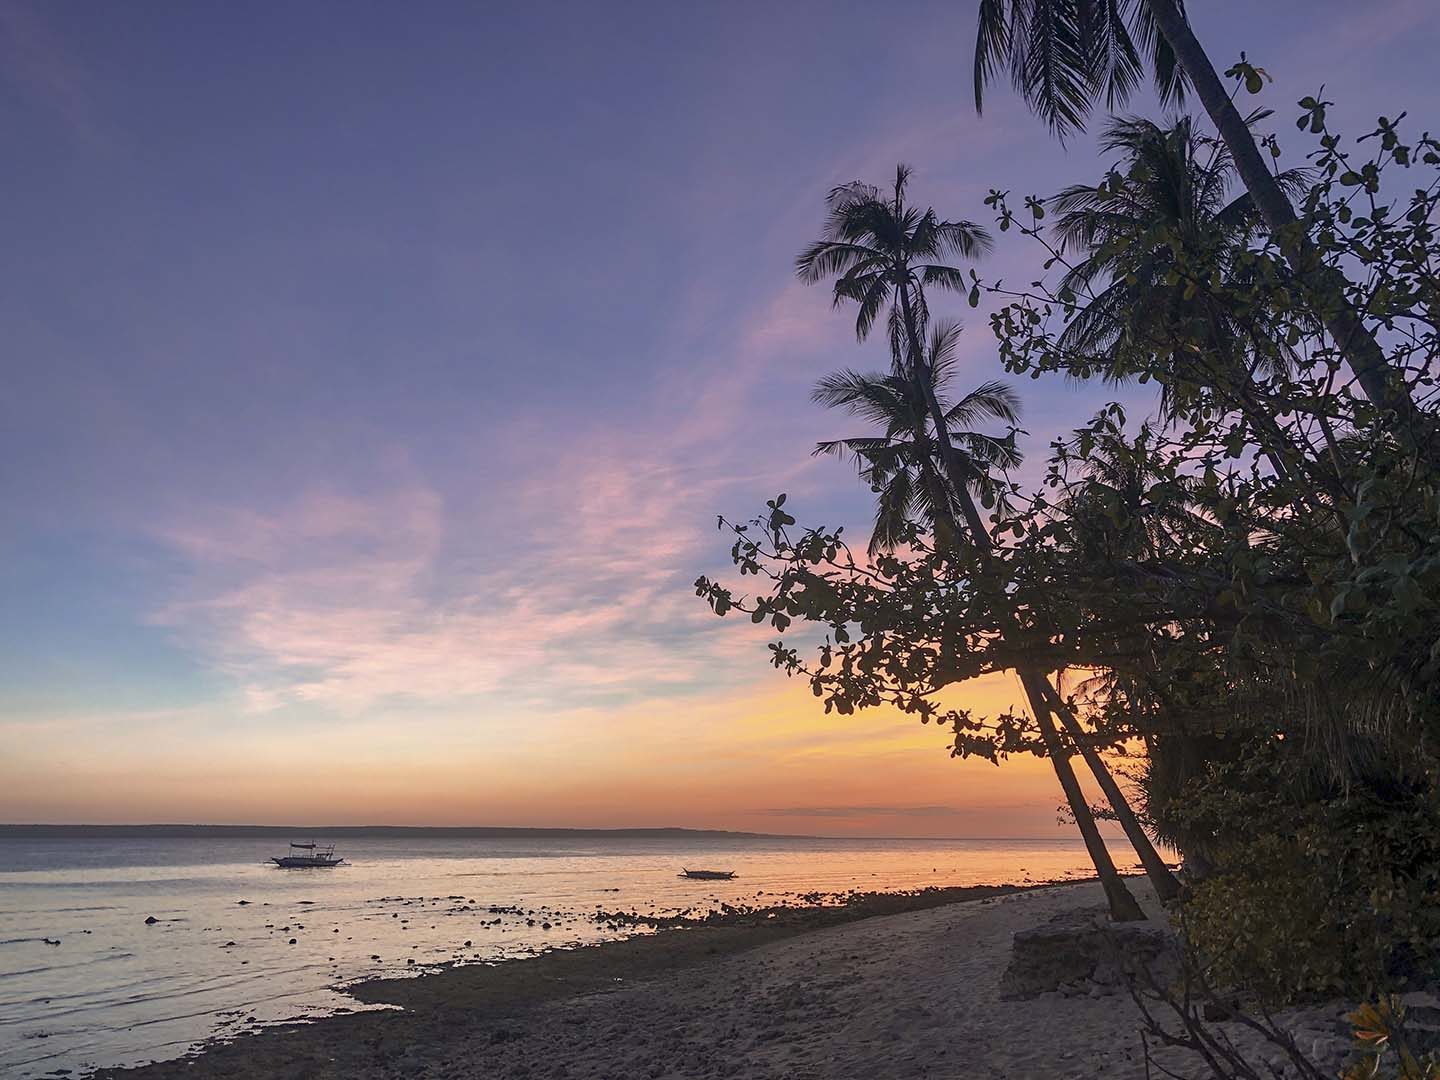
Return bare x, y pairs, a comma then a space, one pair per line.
1123, 906
1324, 286
1166, 885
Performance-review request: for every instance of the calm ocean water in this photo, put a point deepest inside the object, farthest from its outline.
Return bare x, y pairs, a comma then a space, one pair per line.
118, 991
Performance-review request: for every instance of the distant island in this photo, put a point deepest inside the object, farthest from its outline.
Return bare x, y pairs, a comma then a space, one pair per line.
432, 831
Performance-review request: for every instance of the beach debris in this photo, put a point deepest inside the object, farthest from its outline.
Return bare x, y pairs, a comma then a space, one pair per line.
242, 903
292, 941
151, 920
51, 941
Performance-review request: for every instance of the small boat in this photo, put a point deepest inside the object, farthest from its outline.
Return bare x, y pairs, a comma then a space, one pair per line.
708, 875
311, 857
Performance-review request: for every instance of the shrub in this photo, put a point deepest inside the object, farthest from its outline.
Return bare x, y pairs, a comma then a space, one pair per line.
1316, 892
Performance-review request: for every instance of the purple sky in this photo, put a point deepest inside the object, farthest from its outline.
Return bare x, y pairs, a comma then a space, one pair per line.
374, 374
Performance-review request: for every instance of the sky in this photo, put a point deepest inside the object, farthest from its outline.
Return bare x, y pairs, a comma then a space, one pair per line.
374, 373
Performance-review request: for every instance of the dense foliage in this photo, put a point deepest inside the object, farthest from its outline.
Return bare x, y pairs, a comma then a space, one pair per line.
1246, 584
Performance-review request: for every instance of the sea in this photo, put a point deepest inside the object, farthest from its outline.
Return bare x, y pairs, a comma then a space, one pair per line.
123, 949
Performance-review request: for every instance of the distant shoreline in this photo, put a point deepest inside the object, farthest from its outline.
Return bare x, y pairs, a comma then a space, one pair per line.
163, 831
175, 831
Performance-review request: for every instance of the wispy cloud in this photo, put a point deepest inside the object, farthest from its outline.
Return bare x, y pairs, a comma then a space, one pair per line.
566, 580
346, 601
558, 577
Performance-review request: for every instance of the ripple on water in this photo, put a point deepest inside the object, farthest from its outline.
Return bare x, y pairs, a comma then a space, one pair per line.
127, 992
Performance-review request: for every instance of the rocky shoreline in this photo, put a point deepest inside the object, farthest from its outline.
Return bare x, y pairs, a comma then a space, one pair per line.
989, 982
503, 994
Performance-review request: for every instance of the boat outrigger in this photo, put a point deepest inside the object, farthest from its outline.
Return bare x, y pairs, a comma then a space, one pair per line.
708, 875
312, 856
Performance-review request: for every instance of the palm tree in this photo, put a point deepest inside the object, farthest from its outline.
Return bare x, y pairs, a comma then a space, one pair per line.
1066, 55
1160, 274
1128, 509
1149, 242
882, 251
1165, 210
902, 465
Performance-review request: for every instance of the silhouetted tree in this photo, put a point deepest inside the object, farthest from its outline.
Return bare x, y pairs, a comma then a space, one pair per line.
1066, 56
883, 252
903, 465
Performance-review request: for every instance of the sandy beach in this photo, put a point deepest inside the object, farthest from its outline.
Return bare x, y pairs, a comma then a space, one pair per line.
913, 994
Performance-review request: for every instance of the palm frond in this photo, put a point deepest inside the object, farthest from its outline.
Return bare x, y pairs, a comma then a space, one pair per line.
894, 510
861, 447
1112, 50
1171, 82
826, 258
943, 351
992, 42
871, 396
1065, 56
1049, 65
943, 277
988, 401
990, 450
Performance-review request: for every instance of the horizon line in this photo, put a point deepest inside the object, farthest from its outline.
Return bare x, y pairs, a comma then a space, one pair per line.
14, 828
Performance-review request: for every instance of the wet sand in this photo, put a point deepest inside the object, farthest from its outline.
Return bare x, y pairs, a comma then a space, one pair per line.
451, 1016
866, 990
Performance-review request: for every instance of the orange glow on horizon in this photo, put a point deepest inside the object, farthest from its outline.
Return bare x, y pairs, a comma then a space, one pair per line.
768, 760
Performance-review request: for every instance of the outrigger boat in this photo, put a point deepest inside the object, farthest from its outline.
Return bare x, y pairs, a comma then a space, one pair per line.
312, 856
708, 875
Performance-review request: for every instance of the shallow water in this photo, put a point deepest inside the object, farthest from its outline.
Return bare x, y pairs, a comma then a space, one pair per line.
118, 991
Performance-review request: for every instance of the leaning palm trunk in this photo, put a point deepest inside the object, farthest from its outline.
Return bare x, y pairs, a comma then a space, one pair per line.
1123, 906
1323, 285
1167, 887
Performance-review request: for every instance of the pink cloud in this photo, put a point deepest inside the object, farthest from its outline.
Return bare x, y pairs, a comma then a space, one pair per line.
345, 600
564, 571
